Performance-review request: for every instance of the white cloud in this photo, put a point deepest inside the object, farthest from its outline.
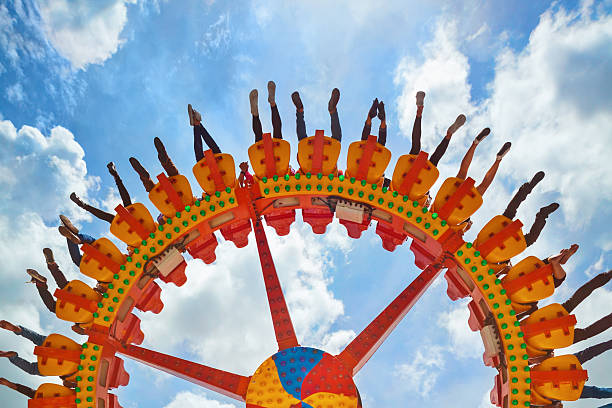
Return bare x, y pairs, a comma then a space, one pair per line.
84, 32
464, 343
421, 374
597, 267
187, 399
218, 35
14, 93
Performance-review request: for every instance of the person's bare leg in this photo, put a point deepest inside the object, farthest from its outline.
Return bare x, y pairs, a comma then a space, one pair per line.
367, 127
27, 391
9, 326
469, 155
144, 175
164, 159
488, 178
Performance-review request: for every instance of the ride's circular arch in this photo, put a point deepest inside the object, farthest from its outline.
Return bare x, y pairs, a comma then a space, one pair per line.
298, 376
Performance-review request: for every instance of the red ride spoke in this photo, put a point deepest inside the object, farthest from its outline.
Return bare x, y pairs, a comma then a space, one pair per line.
359, 351
229, 384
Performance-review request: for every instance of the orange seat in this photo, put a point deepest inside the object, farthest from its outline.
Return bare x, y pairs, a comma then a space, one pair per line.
171, 194
101, 260
557, 378
367, 160
270, 157
215, 172
414, 175
318, 154
529, 281
53, 396
457, 200
76, 302
58, 355
548, 328
132, 224
500, 239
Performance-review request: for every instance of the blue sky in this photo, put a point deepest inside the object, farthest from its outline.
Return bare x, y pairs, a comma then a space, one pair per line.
83, 83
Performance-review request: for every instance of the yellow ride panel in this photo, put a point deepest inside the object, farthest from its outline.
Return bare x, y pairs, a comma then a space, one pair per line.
540, 287
425, 178
266, 389
330, 153
381, 156
563, 389
562, 330
92, 268
327, 399
56, 365
227, 170
509, 247
48, 390
160, 199
467, 206
67, 310
122, 230
281, 150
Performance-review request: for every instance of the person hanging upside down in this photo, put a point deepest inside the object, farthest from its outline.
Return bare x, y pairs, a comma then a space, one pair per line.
73, 239
276, 120
199, 133
333, 113
165, 161
416, 132
245, 179
377, 109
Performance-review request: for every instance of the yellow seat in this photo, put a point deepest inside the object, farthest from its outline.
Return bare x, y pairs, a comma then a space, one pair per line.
560, 378
212, 178
132, 224
500, 239
520, 307
76, 302
101, 260
549, 328
367, 160
414, 175
58, 355
53, 396
457, 200
171, 194
318, 154
529, 281
270, 157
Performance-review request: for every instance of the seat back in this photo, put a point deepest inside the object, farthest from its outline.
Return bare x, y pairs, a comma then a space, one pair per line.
101, 260
132, 224
367, 160
414, 175
49, 395
215, 172
529, 281
500, 239
457, 200
318, 154
58, 355
270, 157
560, 378
549, 328
171, 194
76, 302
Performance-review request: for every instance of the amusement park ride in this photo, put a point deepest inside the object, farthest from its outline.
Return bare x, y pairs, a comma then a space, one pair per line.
298, 376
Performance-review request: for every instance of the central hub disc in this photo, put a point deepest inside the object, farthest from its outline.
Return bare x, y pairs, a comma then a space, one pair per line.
302, 377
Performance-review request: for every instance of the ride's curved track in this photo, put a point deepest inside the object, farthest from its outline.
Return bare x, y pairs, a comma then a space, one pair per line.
301, 376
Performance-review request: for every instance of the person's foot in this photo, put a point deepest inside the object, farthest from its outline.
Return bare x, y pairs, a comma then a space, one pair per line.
505, 149
69, 235
566, 254
381, 111
75, 199
9, 326
536, 179
48, 253
549, 209
68, 224
333, 100
6, 383
455, 126
190, 113
271, 92
373, 109
420, 97
297, 101
36, 277
8, 354
481, 136
253, 101
112, 169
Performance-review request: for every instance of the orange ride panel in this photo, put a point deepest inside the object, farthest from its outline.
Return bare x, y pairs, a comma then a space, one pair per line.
367, 160
500, 239
76, 302
222, 171
529, 281
270, 157
53, 396
414, 175
318, 154
58, 355
101, 260
560, 378
170, 193
132, 224
550, 327
458, 201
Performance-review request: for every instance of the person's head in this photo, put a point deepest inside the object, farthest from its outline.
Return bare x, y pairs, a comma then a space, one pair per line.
244, 166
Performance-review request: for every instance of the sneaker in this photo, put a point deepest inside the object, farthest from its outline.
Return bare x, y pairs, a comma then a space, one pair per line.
75, 199
48, 253
64, 231
68, 224
420, 97
505, 149
36, 276
271, 92
190, 113
333, 100
373, 109
536, 179
481, 136
381, 111
455, 126
297, 101
549, 209
253, 101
